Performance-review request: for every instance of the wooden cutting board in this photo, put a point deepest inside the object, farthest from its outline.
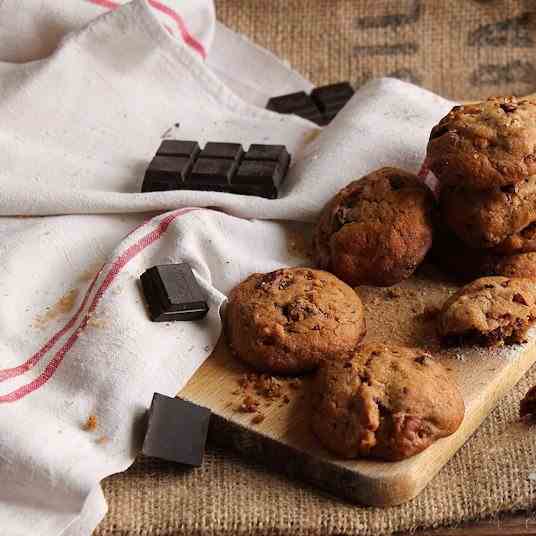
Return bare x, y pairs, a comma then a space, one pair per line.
283, 439
402, 314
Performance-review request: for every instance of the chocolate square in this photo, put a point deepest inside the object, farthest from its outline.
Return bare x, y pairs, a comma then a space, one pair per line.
172, 293
332, 98
231, 151
178, 148
296, 103
275, 153
165, 173
177, 430
212, 174
258, 177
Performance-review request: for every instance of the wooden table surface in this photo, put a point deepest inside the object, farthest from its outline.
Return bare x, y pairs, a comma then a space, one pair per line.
506, 525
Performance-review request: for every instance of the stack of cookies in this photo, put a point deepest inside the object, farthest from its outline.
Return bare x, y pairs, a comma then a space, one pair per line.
484, 157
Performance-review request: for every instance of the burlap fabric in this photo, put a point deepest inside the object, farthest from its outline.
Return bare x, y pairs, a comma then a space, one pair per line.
463, 49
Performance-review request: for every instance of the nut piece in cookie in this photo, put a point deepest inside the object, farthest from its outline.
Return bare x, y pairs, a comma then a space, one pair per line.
486, 218
485, 145
376, 230
285, 322
385, 402
490, 311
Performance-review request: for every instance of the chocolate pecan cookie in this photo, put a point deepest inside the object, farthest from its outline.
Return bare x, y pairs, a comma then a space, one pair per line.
286, 321
386, 402
486, 218
485, 145
489, 311
376, 230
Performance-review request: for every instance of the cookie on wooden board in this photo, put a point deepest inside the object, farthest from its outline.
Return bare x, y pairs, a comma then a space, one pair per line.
487, 218
287, 321
376, 230
386, 402
490, 311
485, 145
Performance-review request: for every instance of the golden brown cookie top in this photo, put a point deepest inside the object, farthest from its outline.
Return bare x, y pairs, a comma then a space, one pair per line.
377, 229
286, 321
387, 402
489, 311
485, 145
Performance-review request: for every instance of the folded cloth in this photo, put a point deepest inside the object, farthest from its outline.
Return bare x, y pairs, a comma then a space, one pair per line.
82, 114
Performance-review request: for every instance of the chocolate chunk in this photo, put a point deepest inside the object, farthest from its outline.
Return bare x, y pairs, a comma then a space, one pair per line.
215, 173
320, 107
177, 430
275, 153
172, 293
258, 177
296, 103
331, 99
231, 151
179, 148
219, 167
165, 173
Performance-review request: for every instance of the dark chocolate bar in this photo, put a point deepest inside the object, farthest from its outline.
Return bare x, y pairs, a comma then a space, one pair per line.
177, 430
172, 293
219, 167
324, 103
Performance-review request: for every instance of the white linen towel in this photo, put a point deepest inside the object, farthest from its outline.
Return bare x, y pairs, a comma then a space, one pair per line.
84, 104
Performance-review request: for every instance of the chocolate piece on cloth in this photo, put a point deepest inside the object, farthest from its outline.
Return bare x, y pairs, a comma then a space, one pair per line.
219, 167
177, 430
324, 103
331, 99
296, 103
172, 293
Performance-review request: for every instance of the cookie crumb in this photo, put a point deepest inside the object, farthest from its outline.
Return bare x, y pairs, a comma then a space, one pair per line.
268, 386
102, 440
257, 419
248, 405
91, 424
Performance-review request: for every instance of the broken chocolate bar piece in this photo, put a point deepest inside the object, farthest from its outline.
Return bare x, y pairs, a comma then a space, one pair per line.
172, 293
177, 430
219, 167
296, 103
324, 103
330, 99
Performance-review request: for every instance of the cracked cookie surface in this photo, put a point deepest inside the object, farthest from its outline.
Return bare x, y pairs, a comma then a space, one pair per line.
376, 230
487, 218
386, 402
287, 321
485, 145
490, 311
